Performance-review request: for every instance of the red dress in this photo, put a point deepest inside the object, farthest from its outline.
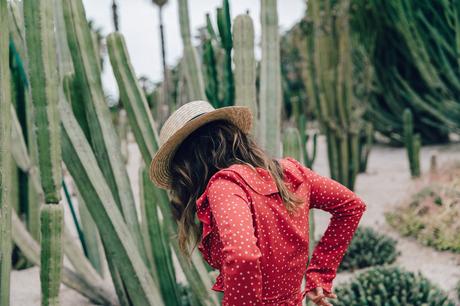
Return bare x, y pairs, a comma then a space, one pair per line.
261, 251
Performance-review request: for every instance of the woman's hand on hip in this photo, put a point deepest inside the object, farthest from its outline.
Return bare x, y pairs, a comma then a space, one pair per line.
318, 296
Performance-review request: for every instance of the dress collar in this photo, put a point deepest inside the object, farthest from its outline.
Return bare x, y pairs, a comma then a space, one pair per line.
261, 181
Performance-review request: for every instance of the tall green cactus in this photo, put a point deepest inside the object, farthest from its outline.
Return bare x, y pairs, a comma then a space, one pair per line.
142, 124
52, 222
309, 157
44, 84
292, 143
104, 139
245, 65
270, 80
158, 240
193, 73
82, 165
330, 78
131, 95
5, 162
225, 33
94, 289
412, 143
293, 146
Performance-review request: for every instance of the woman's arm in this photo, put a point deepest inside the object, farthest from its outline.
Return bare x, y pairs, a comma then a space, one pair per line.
240, 266
346, 209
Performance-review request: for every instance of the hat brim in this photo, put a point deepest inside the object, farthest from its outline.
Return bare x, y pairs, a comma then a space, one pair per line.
159, 171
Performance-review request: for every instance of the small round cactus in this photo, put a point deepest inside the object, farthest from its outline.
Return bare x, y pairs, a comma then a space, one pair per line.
392, 286
369, 248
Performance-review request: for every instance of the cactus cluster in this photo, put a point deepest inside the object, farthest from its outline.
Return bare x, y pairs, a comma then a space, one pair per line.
412, 142
217, 58
415, 59
369, 248
330, 86
393, 286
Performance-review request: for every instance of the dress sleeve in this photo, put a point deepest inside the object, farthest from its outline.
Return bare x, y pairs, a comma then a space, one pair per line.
240, 263
346, 209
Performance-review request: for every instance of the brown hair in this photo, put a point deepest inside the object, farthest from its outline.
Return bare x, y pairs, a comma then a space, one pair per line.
214, 146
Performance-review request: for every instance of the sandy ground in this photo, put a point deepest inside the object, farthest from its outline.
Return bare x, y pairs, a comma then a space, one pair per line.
382, 187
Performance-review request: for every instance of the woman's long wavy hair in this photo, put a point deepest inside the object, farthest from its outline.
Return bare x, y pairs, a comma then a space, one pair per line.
214, 146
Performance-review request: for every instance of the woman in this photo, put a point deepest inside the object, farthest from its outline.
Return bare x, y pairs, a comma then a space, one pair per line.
253, 210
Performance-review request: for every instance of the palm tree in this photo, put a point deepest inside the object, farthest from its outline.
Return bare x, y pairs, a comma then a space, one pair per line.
115, 15
165, 94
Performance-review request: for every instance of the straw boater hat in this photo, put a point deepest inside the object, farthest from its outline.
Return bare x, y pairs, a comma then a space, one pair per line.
182, 123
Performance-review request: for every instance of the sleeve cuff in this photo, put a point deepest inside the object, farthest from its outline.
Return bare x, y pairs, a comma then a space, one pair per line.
314, 280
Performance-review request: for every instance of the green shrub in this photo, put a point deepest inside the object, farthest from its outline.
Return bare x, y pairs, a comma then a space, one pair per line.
369, 248
432, 214
390, 286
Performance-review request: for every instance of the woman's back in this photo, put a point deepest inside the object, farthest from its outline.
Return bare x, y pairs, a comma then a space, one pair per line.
260, 249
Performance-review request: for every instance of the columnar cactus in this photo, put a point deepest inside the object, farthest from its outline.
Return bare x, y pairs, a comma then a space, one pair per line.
270, 80
52, 222
330, 78
131, 95
193, 73
412, 143
5, 159
210, 69
159, 242
44, 84
245, 65
103, 137
292, 146
82, 165
142, 124
309, 157
225, 33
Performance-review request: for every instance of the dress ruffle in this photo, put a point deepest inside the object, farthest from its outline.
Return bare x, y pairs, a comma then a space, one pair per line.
203, 213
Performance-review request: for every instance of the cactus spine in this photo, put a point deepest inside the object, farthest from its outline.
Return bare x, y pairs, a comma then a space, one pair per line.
245, 65
270, 80
193, 73
51, 218
5, 159
412, 143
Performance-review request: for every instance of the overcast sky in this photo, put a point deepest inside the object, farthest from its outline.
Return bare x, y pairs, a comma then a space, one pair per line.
139, 25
